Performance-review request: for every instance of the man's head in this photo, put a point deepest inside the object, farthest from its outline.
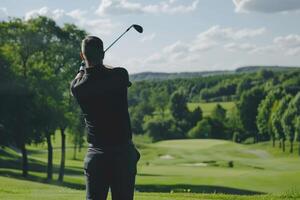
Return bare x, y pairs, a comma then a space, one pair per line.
92, 50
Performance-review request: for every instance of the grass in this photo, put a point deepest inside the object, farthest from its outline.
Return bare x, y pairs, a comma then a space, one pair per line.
187, 168
16, 189
207, 108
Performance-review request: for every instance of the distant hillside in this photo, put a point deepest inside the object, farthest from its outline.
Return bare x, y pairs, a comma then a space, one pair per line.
164, 76
257, 68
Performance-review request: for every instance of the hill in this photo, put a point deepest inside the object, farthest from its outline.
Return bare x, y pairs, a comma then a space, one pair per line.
164, 76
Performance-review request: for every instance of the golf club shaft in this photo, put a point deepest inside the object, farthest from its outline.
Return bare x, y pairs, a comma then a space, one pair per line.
117, 39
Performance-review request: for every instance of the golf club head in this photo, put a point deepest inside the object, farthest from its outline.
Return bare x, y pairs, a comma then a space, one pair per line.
138, 28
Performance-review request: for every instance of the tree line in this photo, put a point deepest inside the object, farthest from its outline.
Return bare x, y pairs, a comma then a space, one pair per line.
38, 59
266, 107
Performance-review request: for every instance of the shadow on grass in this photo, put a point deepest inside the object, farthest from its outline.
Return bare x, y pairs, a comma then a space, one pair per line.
34, 178
182, 188
10, 161
194, 189
10, 167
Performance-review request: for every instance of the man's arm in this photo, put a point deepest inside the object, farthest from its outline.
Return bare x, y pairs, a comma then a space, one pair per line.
77, 78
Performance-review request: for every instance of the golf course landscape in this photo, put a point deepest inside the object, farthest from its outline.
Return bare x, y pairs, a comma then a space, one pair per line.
173, 169
211, 100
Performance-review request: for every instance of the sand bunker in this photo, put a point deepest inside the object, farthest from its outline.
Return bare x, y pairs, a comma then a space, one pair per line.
194, 164
166, 157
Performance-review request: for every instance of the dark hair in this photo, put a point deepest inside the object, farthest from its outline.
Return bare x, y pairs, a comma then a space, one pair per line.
92, 49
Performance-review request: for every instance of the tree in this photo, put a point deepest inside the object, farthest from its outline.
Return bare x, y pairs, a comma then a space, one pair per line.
265, 74
265, 109
203, 129
16, 48
244, 85
234, 124
219, 113
279, 108
161, 129
68, 61
248, 105
289, 119
195, 116
38, 57
159, 99
137, 115
178, 106
77, 129
297, 127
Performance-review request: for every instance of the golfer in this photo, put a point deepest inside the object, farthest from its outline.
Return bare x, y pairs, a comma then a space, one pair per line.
101, 93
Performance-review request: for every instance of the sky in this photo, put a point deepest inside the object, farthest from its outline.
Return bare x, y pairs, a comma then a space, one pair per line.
180, 35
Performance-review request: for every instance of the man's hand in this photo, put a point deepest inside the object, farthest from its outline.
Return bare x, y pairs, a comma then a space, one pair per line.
79, 75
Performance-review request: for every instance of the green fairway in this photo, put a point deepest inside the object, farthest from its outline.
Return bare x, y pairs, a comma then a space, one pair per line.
207, 108
174, 169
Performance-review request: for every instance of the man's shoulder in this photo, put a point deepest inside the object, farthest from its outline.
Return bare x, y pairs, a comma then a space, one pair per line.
122, 73
119, 70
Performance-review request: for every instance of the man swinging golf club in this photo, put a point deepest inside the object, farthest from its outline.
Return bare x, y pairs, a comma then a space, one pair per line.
111, 157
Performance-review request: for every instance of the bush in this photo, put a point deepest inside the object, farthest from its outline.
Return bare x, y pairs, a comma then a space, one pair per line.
161, 129
236, 137
201, 130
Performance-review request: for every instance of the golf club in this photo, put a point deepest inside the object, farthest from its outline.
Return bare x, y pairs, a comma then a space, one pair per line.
137, 27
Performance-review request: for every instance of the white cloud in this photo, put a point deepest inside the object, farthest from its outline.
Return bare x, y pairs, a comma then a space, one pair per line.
129, 7
45, 11
290, 41
266, 6
148, 37
240, 47
3, 13
216, 35
217, 32
181, 53
94, 25
76, 14
288, 45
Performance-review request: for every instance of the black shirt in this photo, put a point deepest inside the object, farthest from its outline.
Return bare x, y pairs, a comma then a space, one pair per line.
102, 95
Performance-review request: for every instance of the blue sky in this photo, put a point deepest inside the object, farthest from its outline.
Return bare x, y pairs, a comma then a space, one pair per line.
181, 35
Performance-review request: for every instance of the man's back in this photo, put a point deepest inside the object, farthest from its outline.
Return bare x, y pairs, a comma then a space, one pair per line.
102, 96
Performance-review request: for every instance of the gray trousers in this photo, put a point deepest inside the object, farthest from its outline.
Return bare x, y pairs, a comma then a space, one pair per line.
111, 167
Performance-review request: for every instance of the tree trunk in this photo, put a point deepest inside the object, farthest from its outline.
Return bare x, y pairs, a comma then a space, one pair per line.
299, 149
24, 65
75, 149
273, 139
79, 147
24, 160
280, 145
63, 155
255, 138
283, 145
50, 157
292, 146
